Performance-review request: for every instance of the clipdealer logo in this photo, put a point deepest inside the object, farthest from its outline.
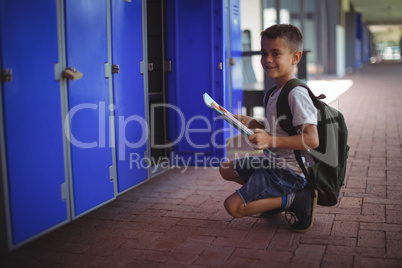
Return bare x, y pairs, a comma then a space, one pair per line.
188, 129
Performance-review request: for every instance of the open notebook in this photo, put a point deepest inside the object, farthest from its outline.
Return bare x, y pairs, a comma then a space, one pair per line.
228, 116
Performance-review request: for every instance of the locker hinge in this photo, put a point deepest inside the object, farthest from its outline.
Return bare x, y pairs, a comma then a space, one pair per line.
147, 156
108, 70
6, 75
58, 70
168, 66
112, 173
149, 67
142, 67
64, 191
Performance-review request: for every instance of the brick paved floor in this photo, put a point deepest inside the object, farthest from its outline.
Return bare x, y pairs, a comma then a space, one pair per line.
177, 219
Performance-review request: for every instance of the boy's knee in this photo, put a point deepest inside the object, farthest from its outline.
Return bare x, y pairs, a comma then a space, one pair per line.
233, 208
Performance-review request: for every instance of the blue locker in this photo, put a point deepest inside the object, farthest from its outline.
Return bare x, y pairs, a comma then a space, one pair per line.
359, 39
227, 92
195, 45
91, 150
128, 87
235, 57
32, 118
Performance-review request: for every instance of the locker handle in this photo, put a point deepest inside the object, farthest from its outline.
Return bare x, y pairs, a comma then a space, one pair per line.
6, 75
232, 61
72, 73
115, 69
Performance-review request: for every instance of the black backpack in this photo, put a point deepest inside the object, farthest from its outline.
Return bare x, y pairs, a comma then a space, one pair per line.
327, 174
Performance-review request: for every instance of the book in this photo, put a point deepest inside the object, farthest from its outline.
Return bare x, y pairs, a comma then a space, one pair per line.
229, 117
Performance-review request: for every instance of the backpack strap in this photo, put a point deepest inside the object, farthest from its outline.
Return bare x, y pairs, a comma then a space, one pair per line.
267, 95
305, 172
283, 110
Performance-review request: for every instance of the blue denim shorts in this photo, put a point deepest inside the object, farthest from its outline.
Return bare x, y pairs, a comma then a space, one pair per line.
262, 179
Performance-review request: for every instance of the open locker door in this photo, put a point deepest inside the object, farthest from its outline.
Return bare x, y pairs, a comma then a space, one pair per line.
195, 45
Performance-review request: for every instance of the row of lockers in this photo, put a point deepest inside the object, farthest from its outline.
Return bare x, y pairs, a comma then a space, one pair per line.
58, 160
66, 143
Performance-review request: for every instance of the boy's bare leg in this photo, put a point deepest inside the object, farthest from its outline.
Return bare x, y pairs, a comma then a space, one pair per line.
234, 205
228, 172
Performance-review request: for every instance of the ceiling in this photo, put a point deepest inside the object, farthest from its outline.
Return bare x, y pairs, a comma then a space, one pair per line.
379, 12
383, 17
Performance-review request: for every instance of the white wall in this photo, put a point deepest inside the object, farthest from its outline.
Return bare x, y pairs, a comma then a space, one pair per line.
251, 19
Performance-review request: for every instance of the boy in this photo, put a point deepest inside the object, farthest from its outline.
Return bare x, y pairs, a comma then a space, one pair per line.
275, 182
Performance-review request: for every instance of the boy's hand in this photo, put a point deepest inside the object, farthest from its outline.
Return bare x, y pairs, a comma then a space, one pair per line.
261, 139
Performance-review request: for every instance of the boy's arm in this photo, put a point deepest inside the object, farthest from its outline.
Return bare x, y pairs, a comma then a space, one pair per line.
307, 139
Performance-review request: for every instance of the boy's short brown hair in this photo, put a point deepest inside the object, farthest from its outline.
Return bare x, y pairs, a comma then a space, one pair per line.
290, 33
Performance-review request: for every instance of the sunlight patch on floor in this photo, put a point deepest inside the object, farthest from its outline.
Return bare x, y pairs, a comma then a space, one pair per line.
332, 89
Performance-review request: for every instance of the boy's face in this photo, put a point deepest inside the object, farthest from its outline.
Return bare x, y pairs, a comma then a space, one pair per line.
277, 59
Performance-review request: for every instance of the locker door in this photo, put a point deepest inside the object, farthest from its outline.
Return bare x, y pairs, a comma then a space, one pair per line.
32, 119
194, 44
91, 153
128, 87
235, 61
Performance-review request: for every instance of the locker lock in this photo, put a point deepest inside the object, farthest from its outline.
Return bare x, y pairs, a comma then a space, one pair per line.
72, 73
